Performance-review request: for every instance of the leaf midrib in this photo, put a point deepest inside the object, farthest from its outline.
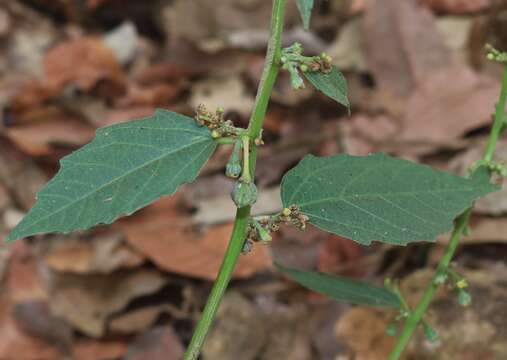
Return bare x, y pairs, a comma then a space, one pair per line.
372, 196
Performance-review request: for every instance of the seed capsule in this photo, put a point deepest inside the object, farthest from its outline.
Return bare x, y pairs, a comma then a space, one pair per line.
244, 194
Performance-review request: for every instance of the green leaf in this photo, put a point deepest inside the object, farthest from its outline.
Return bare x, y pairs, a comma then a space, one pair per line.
305, 8
343, 289
124, 168
377, 197
332, 84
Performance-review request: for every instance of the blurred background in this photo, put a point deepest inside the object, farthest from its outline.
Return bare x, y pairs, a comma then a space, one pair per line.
420, 88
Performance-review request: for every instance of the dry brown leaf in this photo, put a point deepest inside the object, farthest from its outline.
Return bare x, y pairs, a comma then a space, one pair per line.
167, 238
16, 344
136, 321
242, 331
160, 343
4, 198
36, 139
101, 254
403, 44
103, 349
154, 95
203, 20
87, 301
24, 282
20, 175
83, 62
34, 318
227, 92
458, 6
362, 330
449, 103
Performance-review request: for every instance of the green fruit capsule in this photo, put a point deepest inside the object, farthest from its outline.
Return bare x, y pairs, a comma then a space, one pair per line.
244, 194
233, 170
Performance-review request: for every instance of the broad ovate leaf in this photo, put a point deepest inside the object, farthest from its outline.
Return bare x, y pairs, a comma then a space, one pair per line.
126, 167
378, 197
332, 84
342, 288
305, 8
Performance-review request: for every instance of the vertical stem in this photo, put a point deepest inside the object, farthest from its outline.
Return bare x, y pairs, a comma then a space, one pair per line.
230, 258
460, 224
270, 72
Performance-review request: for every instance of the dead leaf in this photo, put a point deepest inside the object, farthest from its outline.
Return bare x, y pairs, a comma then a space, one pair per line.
228, 92
347, 50
87, 301
100, 254
136, 321
160, 343
403, 44
337, 253
458, 6
166, 237
447, 104
23, 279
36, 139
16, 344
242, 331
362, 330
19, 175
104, 349
35, 318
83, 62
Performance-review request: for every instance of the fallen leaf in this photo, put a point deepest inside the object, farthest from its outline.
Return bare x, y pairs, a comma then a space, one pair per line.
83, 62
23, 279
160, 343
16, 344
87, 349
168, 238
447, 104
362, 331
37, 139
229, 93
136, 321
100, 254
242, 331
34, 317
20, 175
403, 44
87, 301
347, 50
458, 6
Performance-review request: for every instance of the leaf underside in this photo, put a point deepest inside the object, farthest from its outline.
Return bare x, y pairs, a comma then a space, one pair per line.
342, 288
378, 197
305, 8
332, 84
126, 167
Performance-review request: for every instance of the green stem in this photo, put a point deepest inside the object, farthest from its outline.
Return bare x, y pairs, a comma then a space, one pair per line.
459, 227
270, 72
230, 258
246, 176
